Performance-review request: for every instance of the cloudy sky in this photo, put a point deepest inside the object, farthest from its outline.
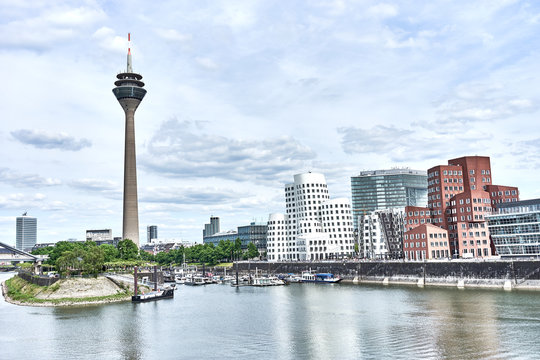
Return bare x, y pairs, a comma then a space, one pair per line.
242, 95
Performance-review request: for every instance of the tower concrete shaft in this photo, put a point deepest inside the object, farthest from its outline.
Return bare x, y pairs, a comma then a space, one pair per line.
130, 221
129, 92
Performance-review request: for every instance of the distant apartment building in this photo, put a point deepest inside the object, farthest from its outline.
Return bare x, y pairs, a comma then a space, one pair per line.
25, 232
99, 235
212, 228
252, 233
151, 233
314, 226
460, 196
515, 229
387, 189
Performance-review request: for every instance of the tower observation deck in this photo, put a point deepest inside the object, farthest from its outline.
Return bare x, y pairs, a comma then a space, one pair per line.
129, 92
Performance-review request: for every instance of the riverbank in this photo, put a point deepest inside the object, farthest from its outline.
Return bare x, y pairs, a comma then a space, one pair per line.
496, 274
65, 292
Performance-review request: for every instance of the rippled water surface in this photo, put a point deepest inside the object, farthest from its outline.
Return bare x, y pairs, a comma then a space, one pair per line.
300, 321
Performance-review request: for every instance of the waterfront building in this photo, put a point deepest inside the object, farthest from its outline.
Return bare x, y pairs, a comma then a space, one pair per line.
129, 92
460, 197
212, 228
426, 241
230, 235
382, 234
98, 235
515, 228
314, 226
151, 233
387, 189
26, 232
252, 233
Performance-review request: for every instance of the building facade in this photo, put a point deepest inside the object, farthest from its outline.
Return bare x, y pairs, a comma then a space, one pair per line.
314, 227
25, 232
515, 229
387, 189
98, 235
212, 228
151, 233
426, 242
382, 234
460, 197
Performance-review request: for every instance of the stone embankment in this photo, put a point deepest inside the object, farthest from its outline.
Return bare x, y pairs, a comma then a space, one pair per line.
508, 275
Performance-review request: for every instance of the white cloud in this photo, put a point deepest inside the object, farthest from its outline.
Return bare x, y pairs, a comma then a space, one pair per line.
173, 35
382, 10
206, 63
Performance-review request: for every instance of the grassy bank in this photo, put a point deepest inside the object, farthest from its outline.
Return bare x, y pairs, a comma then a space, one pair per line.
21, 291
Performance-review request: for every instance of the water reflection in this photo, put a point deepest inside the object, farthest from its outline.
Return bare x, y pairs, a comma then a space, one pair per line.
464, 324
300, 321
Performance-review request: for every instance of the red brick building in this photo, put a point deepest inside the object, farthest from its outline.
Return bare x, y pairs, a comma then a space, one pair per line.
460, 195
426, 242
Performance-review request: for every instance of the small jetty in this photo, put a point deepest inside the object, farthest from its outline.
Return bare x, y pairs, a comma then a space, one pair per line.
157, 294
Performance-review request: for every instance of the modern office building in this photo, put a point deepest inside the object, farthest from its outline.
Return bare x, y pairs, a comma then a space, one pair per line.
460, 197
99, 235
314, 226
129, 92
381, 234
26, 232
515, 229
230, 235
212, 228
387, 189
151, 233
252, 233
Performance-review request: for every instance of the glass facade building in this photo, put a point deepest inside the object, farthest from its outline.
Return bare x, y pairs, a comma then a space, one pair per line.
387, 189
26, 232
515, 228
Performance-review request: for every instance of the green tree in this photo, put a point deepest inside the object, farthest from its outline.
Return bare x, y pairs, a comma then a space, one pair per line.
93, 260
237, 248
110, 251
252, 251
146, 256
127, 250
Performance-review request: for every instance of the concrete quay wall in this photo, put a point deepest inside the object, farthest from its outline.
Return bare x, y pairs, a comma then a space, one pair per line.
456, 273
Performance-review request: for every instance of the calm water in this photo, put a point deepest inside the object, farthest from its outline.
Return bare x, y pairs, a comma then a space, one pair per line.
300, 321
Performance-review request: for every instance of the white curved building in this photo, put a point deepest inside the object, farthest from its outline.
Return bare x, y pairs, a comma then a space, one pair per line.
314, 227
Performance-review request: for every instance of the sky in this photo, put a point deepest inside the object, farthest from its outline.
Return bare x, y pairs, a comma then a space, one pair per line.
242, 95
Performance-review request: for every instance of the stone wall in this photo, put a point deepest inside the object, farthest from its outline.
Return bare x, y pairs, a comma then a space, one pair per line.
481, 273
37, 280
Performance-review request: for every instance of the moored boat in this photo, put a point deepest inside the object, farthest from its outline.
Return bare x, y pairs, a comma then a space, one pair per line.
154, 295
324, 278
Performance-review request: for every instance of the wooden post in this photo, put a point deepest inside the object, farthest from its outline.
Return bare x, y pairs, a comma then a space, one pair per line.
135, 280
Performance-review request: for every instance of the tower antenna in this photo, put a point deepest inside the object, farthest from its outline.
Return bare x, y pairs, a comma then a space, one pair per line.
129, 66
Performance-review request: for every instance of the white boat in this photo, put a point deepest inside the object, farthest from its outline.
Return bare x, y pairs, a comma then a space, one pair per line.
324, 278
195, 280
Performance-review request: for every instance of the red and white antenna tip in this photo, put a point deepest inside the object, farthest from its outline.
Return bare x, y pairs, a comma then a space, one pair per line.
129, 36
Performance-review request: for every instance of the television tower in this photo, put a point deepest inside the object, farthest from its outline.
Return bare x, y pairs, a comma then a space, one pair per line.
129, 92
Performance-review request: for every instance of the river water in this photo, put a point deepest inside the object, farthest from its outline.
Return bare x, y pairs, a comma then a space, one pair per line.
300, 321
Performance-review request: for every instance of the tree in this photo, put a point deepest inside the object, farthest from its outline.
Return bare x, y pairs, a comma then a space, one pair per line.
146, 256
110, 251
93, 260
252, 251
237, 247
127, 250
